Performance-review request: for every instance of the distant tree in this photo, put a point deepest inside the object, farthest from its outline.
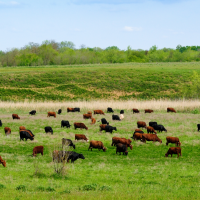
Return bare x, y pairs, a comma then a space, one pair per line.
82, 46
66, 44
112, 48
153, 49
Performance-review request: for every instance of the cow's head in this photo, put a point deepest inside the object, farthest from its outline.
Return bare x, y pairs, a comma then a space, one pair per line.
166, 155
4, 163
179, 143
126, 153
131, 147
74, 146
81, 156
114, 128
160, 141
86, 128
104, 149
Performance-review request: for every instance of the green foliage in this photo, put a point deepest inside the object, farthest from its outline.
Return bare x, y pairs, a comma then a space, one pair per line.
40, 188
50, 189
89, 187
67, 191
105, 188
2, 186
195, 111
21, 188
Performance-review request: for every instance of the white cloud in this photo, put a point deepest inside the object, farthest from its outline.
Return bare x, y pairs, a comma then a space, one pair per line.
130, 28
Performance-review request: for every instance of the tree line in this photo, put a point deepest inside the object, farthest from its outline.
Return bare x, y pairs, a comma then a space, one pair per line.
65, 53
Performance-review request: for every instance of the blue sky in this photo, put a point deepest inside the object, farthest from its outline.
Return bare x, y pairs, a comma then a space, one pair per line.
100, 23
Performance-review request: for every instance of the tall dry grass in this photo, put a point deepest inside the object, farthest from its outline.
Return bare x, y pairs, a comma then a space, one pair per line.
157, 105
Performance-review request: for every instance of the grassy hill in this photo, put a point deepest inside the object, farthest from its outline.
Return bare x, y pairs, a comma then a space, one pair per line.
111, 81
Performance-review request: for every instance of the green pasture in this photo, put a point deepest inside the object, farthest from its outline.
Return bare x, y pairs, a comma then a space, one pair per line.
97, 81
144, 174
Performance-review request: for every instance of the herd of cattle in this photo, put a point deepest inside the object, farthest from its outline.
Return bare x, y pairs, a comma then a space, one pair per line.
121, 144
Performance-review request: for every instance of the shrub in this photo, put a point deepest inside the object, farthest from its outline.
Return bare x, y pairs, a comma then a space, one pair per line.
195, 111
49, 189
89, 187
21, 187
40, 188
105, 188
2, 186
67, 191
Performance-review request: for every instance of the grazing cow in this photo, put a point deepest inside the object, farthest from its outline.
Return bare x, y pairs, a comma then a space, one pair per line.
96, 145
104, 121
135, 110
110, 110
7, 130
65, 123
150, 129
22, 128
121, 116
150, 137
173, 150
141, 124
124, 141
15, 116
148, 111
110, 128
171, 110
59, 111
67, 142
38, 149
99, 112
27, 134
51, 114
81, 137
48, 129
137, 136
3, 162
198, 127
115, 117
33, 112
70, 109
87, 116
173, 140
0, 123
89, 112
73, 156
102, 127
152, 124
137, 130
80, 125
121, 148
159, 128
93, 120
76, 109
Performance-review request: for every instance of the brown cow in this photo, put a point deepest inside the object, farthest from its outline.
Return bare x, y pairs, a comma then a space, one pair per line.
99, 112
7, 130
137, 130
38, 149
171, 110
173, 150
80, 125
135, 110
51, 114
102, 127
3, 162
173, 140
93, 120
150, 137
96, 145
15, 116
137, 136
148, 111
125, 141
22, 128
87, 116
141, 124
70, 109
150, 129
81, 137
89, 112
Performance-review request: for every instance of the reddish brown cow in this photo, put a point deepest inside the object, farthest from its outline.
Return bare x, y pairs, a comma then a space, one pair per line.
87, 116
124, 141
89, 112
80, 125
3, 162
171, 110
173, 140
51, 114
22, 128
173, 150
81, 137
38, 149
70, 109
102, 127
150, 129
99, 112
138, 130
137, 136
135, 110
148, 111
96, 145
150, 137
7, 130
141, 124
15, 116
93, 120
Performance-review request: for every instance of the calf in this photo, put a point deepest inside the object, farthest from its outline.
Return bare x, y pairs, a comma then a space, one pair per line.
99, 112
171, 110
33, 112
173, 140
7, 130
81, 137
151, 130
15, 116
51, 114
73, 156
150, 137
115, 117
48, 129
67, 142
173, 150
96, 145
93, 120
80, 125
65, 123
38, 149
148, 111
135, 110
141, 124
121, 148
3, 162
110, 110
87, 116
59, 111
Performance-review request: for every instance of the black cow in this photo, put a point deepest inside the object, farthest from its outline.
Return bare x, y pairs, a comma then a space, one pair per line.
73, 156
115, 117
67, 142
48, 129
152, 124
159, 128
76, 109
121, 148
121, 111
1, 123
110, 129
32, 112
198, 126
59, 111
110, 110
65, 123
27, 134
104, 121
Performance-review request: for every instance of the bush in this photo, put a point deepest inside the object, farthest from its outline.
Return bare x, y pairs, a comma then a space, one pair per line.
49, 189
2, 186
40, 188
67, 191
105, 188
89, 187
21, 187
195, 111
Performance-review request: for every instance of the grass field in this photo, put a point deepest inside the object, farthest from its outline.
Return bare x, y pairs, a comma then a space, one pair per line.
144, 174
100, 81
